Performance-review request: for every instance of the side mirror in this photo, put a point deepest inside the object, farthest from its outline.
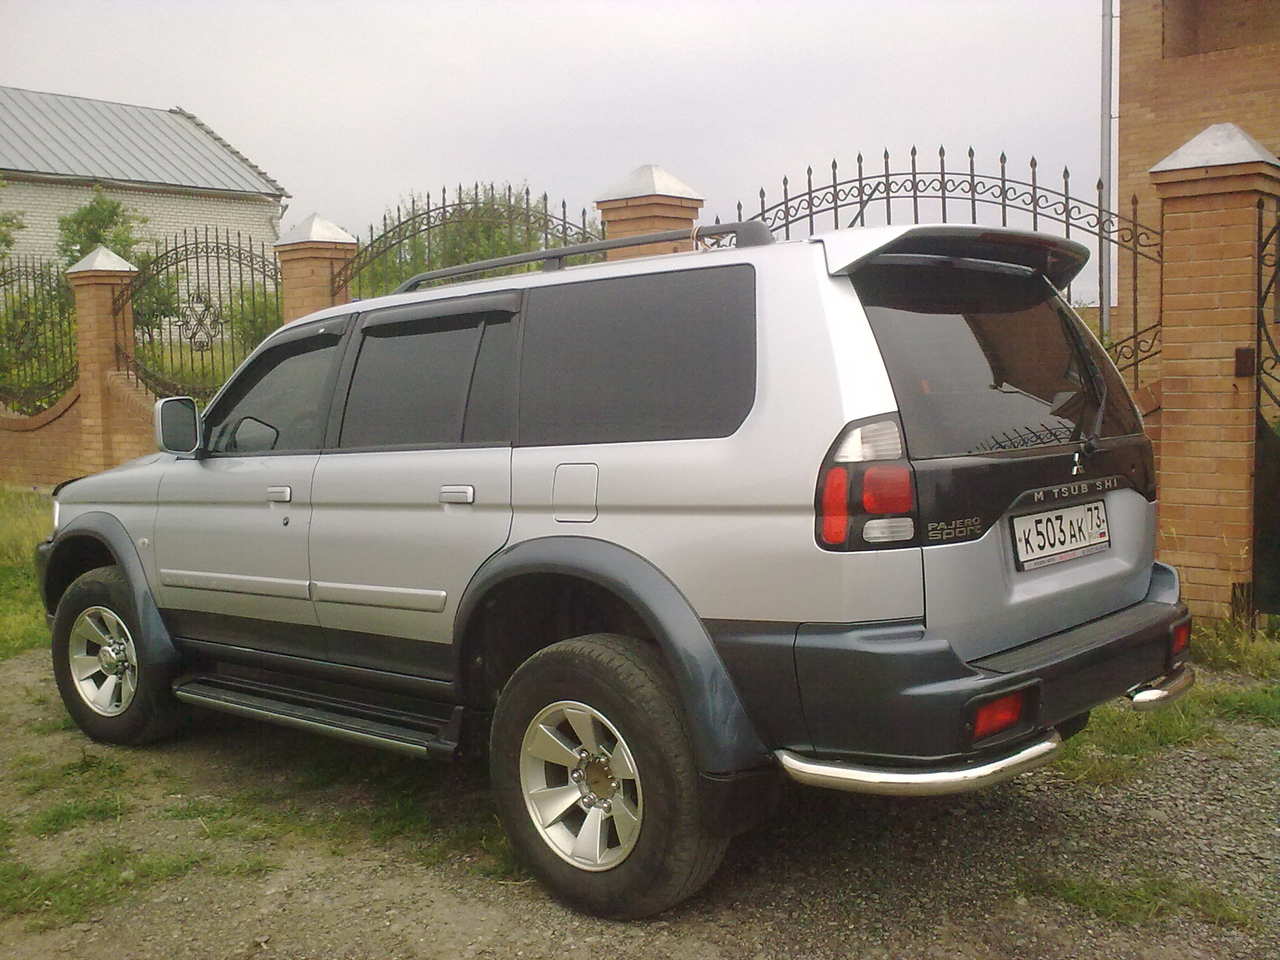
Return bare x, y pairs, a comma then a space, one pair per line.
177, 425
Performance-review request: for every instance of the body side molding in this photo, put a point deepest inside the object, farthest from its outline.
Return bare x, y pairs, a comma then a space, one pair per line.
724, 739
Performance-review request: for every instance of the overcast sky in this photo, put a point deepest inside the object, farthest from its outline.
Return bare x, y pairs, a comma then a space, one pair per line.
352, 105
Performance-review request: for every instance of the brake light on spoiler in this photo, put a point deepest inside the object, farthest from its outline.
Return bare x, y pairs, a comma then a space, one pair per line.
866, 496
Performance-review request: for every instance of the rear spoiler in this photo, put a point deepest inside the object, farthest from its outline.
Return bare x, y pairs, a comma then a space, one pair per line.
1059, 259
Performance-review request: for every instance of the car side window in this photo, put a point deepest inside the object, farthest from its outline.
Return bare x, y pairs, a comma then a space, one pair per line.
415, 380
664, 356
278, 403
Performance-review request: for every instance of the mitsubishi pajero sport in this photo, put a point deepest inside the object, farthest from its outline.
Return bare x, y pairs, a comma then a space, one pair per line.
873, 511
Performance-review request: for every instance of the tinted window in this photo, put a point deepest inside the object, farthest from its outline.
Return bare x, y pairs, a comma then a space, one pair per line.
410, 383
278, 403
665, 356
985, 360
492, 395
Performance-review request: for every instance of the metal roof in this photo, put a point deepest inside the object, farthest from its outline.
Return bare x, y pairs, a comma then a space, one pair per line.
54, 134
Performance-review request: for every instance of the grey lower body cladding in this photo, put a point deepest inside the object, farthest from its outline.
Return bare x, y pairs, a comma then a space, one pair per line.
897, 695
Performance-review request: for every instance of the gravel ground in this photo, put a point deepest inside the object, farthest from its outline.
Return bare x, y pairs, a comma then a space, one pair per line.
829, 876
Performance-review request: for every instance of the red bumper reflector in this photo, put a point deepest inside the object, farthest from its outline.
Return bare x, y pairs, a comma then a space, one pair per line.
886, 488
1180, 638
835, 506
996, 715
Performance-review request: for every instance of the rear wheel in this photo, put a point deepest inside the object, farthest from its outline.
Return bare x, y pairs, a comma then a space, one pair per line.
595, 779
112, 683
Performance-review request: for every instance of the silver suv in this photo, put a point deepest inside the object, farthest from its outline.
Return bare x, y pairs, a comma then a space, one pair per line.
873, 511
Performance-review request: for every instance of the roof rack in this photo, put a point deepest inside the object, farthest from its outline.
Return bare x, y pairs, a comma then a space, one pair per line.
751, 233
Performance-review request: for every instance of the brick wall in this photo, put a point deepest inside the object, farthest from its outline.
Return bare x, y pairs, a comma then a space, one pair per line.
41, 203
1166, 98
44, 449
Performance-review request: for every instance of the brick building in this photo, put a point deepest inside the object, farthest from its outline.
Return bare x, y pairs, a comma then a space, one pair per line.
163, 164
1183, 66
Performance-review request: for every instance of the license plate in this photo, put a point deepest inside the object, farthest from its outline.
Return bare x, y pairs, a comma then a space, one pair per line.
1057, 535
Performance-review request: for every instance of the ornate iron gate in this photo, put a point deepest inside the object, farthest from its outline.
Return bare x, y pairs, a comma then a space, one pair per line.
478, 223
1266, 476
883, 195
199, 304
37, 335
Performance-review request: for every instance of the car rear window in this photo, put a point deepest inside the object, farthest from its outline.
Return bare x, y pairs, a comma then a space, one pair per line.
984, 359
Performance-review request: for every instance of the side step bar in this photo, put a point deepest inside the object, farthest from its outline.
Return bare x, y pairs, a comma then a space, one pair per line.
263, 703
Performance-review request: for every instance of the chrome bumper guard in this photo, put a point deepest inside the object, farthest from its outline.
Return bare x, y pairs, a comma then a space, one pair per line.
899, 782
1149, 696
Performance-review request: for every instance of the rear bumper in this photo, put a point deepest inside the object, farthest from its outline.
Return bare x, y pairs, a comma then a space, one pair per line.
896, 697
902, 782
939, 781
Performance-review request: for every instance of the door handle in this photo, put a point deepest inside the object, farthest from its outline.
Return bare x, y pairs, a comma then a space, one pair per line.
457, 493
280, 494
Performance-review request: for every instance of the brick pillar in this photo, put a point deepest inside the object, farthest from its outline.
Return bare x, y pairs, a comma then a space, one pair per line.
649, 200
95, 281
1209, 189
310, 254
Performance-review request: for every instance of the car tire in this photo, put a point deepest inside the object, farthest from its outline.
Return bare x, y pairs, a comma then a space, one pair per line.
111, 677
595, 781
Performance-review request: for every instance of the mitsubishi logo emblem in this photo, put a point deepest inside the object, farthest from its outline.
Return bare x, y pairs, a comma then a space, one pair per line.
1077, 465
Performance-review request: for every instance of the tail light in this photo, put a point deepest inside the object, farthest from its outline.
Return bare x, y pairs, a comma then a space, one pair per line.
1179, 642
996, 716
866, 495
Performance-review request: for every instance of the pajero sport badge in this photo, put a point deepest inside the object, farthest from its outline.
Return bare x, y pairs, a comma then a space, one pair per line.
943, 530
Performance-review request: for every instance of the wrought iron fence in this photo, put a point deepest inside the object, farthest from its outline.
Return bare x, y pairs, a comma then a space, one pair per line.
445, 229
1268, 310
37, 335
1266, 484
883, 194
202, 300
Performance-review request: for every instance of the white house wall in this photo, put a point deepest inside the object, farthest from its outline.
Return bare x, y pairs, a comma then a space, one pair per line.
167, 213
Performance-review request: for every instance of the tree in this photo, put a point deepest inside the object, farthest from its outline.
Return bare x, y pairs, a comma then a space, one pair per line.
100, 221
10, 223
480, 223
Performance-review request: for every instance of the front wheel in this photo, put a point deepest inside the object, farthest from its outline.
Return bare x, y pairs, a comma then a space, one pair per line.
112, 683
595, 780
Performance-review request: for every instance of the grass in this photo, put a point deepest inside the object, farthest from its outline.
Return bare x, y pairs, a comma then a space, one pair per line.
1260, 704
1225, 645
254, 866
1143, 899
22, 623
25, 519
57, 724
1119, 740
90, 771
434, 812
67, 894
66, 814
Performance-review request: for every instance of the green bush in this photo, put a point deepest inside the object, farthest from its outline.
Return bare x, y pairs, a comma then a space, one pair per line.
252, 315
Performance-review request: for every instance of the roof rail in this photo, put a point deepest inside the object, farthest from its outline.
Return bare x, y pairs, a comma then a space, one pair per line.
750, 233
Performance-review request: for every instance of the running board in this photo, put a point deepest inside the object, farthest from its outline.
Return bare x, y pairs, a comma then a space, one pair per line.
421, 736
